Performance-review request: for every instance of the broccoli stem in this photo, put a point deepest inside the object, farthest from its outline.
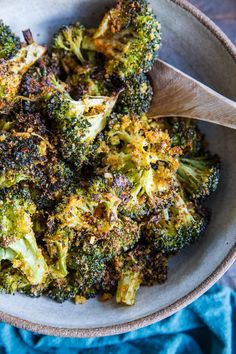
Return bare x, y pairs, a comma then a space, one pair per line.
27, 34
59, 270
25, 255
128, 285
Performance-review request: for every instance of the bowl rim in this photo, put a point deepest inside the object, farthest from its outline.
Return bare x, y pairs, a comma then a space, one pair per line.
183, 301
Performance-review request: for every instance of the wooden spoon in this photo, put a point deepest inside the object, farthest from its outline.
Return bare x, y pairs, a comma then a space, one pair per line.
177, 94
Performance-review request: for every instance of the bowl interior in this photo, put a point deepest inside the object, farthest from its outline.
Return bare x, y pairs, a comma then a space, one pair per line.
188, 45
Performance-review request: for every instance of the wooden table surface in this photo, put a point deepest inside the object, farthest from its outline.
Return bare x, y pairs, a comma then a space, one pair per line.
222, 12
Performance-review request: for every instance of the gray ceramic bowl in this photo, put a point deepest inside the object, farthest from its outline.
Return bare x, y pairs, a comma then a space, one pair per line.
192, 43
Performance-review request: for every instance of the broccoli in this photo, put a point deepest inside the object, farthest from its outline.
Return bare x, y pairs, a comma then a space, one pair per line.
145, 157
185, 134
67, 48
12, 280
59, 178
69, 40
107, 193
128, 284
88, 266
78, 211
89, 80
199, 176
18, 243
62, 289
22, 122
39, 220
38, 83
123, 236
55, 180
26, 255
27, 155
136, 97
58, 244
89, 254
175, 227
140, 266
128, 36
77, 268
12, 71
88, 222
16, 210
93, 208
9, 42
21, 154
77, 123
6, 125
27, 122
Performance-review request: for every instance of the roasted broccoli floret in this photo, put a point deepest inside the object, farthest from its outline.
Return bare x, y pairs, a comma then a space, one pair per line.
56, 179
199, 175
176, 227
27, 122
93, 208
22, 122
27, 155
67, 48
16, 210
80, 266
21, 154
89, 266
58, 245
77, 123
68, 40
59, 178
185, 134
145, 157
136, 97
90, 216
9, 42
124, 234
12, 280
140, 266
62, 289
108, 193
38, 83
128, 36
12, 71
18, 243
72, 249
89, 254
89, 80
25, 255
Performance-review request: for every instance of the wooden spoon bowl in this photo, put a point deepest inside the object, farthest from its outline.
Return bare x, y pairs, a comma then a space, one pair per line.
177, 94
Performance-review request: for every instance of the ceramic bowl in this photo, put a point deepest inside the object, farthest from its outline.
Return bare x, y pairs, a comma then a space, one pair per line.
194, 44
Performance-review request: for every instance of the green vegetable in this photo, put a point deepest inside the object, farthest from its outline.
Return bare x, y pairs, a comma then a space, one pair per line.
9, 42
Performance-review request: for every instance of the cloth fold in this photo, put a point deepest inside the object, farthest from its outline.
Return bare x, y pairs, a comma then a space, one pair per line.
208, 326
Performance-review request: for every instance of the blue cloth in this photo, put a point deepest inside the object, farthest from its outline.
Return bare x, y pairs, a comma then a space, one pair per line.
205, 326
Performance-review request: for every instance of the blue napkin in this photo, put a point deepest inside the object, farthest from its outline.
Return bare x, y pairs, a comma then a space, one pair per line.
206, 326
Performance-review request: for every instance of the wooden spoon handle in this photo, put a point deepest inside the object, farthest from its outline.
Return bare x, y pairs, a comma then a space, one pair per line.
177, 94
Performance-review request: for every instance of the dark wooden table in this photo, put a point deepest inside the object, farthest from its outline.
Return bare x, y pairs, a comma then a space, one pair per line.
222, 12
